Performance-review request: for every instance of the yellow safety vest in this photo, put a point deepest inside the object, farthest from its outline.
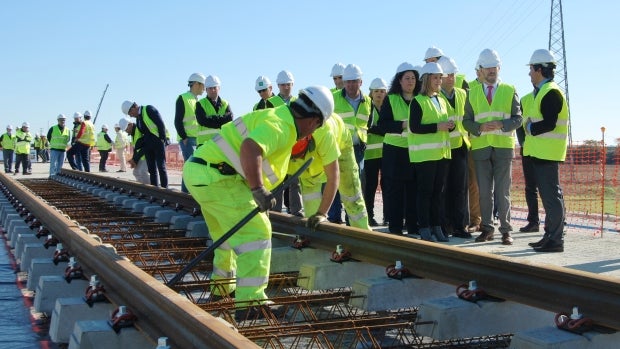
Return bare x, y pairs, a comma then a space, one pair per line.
206, 133
400, 109
189, 119
102, 144
273, 129
430, 146
549, 145
356, 121
88, 136
60, 139
374, 146
22, 142
459, 134
500, 109
8, 141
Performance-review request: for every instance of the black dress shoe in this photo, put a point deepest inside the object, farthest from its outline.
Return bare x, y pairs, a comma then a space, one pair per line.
539, 242
530, 228
260, 312
373, 223
550, 247
458, 233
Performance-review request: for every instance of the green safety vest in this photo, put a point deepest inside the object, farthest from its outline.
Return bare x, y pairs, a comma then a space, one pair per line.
459, 79
430, 146
150, 124
356, 121
60, 139
206, 133
374, 146
459, 134
102, 144
88, 136
549, 145
276, 124
22, 142
500, 109
189, 119
400, 110
8, 141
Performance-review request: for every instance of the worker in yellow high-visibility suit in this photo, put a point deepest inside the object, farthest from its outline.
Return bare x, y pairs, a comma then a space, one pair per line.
233, 173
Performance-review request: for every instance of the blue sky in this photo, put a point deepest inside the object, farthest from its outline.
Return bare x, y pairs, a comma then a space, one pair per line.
58, 56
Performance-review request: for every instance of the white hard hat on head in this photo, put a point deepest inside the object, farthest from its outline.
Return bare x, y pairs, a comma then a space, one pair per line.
61, 117
431, 68
433, 52
212, 81
262, 82
117, 126
87, 113
337, 70
126, 106
448, 65
542, 56
351, 72
322, 99
197, 77
378, 84
77, 115
404, 66
122, 123
25, 124
285, 77
489, 58
104, 126
9, 127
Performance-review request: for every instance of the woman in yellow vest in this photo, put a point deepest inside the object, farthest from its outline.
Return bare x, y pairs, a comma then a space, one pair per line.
396, 170
429, 151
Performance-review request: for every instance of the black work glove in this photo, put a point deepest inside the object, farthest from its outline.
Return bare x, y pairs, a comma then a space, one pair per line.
315, 220
263, 198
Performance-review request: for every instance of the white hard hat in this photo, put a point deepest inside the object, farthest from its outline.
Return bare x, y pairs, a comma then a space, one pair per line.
126, 106
122, 123
285, 77
61, 117
87, 113
542, 56
433, 52
448, 65
212, 81
322, 98
9, 127
77, 115
25, 124
404, 66
489, 59
418, 68
378, 84
117, 126
351, 72
337, 70
104, 126
431, 68
197, 77
262, 82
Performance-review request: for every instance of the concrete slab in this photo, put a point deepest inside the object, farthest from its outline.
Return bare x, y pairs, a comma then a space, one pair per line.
324, 274
197, 229
13, 235
384, 293
97, 334
68, 311
35, 250
166, 215
24, 238
52, 287
43, 266
182, 221
457, 318
551, 337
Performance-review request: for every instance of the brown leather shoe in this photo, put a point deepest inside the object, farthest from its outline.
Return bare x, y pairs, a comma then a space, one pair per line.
507, 239
487, 235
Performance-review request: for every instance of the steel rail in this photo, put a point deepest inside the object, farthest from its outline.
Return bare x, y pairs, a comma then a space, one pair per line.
548, 287
160, 310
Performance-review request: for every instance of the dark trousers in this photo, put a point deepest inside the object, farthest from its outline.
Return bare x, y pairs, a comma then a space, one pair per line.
155, 156
455, 206
431, 181
548, 182
372, 168
8, 160
24, 160
531, 192
79, 157
400, 189
71, 158
103, 158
